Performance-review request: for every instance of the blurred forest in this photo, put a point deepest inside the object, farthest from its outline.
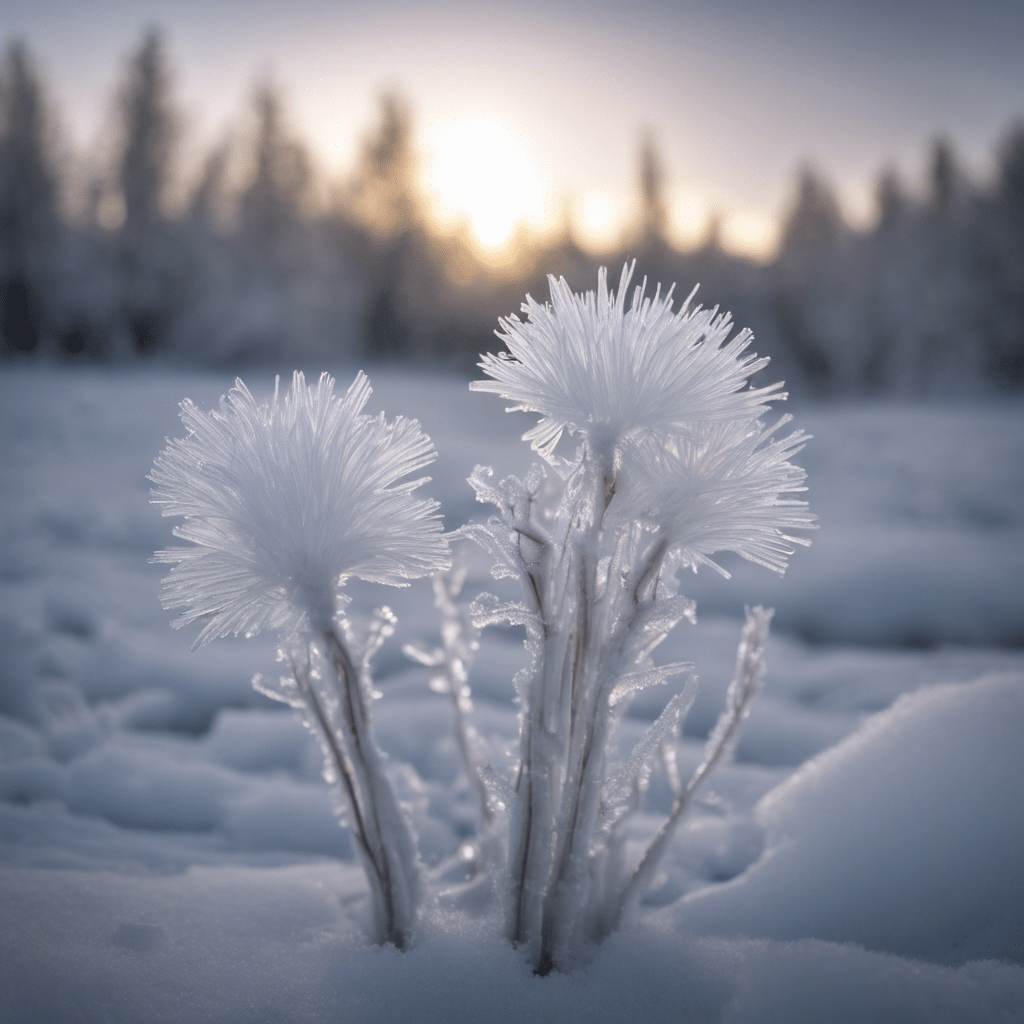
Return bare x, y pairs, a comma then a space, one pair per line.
261, 258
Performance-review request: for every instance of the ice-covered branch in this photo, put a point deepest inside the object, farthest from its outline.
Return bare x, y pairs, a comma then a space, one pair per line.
742, 690
460, 630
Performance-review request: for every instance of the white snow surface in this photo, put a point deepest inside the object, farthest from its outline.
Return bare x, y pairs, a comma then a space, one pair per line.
168, 850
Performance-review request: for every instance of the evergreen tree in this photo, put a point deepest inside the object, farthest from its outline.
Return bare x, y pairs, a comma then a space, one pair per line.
384, 200
153, 267
815, 224
383, 194
1006, 235
888, 267
208, 192
653, 205
946, 182
1011, 175
812, 286
29, 222
150, 130
271, 204
890, 200
274, 283
945, 338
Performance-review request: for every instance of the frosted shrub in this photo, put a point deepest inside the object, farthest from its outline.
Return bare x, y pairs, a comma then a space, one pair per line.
282, 503
673, 465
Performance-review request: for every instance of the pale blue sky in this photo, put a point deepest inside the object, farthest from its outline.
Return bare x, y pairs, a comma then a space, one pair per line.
736, 93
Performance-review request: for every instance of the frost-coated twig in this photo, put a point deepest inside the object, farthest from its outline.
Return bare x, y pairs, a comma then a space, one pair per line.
394, 867
743, 688
453, 661
331, 690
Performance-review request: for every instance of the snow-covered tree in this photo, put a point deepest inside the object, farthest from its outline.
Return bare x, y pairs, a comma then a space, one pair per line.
891, 273
383, 190
653, 220
208, 195
945, 344
150, 127
947, 182
268, 276
1005, 238
399, 273
271, 203
816, 295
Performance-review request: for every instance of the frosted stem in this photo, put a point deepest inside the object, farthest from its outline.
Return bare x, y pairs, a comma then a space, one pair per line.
459, 640
342, 767
749, 670
386, 832
587, 735
543, 743
592, 721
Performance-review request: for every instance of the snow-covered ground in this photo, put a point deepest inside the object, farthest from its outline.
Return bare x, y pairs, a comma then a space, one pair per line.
168, 850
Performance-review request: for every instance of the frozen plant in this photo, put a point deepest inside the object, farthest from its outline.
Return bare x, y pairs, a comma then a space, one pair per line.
282, 503
674, 463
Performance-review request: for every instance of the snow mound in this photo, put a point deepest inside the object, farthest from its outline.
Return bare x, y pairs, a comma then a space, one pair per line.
906, 837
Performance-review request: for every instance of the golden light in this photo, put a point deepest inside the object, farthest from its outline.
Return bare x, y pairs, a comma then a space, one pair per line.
751, 234
600, 217
688, 218
478, 173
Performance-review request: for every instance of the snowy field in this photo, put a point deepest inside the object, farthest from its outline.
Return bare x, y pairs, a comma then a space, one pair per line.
168, 851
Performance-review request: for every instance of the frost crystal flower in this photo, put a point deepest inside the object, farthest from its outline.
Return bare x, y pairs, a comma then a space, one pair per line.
721, 488
591, 367
284, 501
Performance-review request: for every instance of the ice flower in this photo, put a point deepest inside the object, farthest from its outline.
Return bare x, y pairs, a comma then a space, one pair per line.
593, 368
284, 501
723, 487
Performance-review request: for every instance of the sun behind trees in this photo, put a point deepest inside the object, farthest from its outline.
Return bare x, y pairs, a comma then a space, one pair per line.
259, 255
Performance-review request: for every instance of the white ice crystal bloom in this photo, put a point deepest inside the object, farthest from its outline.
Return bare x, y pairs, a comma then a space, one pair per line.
283, 501
590, 366
723, 487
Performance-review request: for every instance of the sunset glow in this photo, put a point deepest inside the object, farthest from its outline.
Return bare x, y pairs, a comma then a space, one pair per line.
749, 233
599, 217
478, 174
513, 126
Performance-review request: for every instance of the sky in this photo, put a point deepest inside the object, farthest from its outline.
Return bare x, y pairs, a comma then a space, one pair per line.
557, 95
